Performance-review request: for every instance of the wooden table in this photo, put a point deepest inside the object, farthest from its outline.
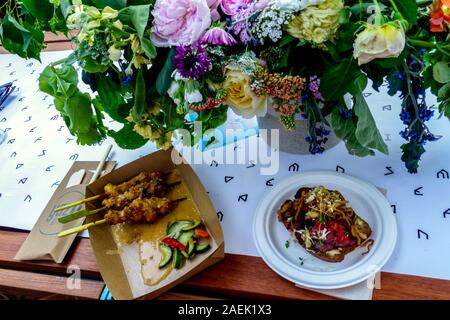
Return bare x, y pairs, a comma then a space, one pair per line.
236, 276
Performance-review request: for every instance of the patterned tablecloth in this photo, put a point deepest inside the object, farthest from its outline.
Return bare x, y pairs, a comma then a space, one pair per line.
39, 150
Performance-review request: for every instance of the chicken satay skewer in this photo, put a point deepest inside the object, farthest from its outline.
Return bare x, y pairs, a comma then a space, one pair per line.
118, 189
101, 221
84, 213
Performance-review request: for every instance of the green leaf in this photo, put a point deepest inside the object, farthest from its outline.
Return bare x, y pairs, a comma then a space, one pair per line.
91, 66
336, 82
78, 109
345, 130
408, 9
441, 72
139, 97
111, 99
59, 82
64, 6
127, 138
136, 16
366, 129
41, 10
164, 78
115, 4
149, 48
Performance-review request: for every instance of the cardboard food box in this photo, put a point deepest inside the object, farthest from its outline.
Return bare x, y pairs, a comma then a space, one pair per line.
127, 266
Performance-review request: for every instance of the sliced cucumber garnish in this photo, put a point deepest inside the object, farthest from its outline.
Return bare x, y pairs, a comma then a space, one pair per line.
199, 248
166, 255
177, 259
175, 228
193, 226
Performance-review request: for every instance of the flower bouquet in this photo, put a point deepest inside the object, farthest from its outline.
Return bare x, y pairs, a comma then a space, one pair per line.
159, 66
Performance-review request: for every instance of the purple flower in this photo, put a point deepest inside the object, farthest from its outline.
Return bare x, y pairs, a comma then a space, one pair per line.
314, 86
218, 37
192, 61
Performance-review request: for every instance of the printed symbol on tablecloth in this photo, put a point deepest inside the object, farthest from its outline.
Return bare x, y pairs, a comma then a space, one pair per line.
417, 191
236, 147
22, 181
3, 119
220, 216
446, 212
387, 108
243, 197
214, 163
15, 80
24, 108
443, 174
68, 140
29, 65
394, 208
228, 179
367, 94
294, 167
49, 168
45, 97
42, 153
7, 129
50, 105
12, 73
38, 139
390, 171
252, 164
269, 182
9, 65
32, 72
21, 99
55, 184
27, 199
29, 119
55, 117
19, 165
433, 107
420, 232
32, 129
11, 141
13, 155
60, 128
388, 137
74, 157
340, 169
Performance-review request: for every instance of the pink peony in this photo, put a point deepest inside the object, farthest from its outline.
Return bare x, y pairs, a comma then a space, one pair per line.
262, 4
179, 22
213, 5
232, 7
218, 37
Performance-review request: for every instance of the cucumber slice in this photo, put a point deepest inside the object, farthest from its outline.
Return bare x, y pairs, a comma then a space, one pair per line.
166, 255
192, 227
199, 248
191, 247
177, 259
185, 237
176, 227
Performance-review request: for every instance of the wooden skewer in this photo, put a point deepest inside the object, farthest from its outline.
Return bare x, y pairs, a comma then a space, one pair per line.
74, 204
94, 223
80, 228
79, 214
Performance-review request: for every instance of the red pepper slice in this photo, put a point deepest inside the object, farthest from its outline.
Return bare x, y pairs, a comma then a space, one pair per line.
171, 242
201, 232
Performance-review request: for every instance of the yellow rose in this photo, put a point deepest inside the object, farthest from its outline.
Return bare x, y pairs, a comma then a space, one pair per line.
240, 95
379, 42
317, 23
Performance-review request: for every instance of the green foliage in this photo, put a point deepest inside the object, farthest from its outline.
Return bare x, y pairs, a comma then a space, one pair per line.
164, 78
408, 9
127, 138
111, 98
136, 16
337, 81
139, 97
41, 10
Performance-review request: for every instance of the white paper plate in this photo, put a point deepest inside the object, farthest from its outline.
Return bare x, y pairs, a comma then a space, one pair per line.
368, 202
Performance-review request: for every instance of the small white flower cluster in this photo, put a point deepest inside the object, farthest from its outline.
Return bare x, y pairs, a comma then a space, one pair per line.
270, 23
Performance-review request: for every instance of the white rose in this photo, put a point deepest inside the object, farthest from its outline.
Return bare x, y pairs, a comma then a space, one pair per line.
294, 5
